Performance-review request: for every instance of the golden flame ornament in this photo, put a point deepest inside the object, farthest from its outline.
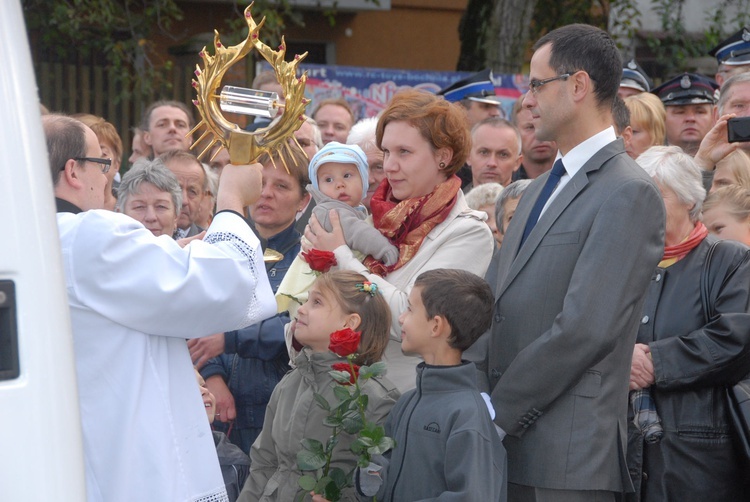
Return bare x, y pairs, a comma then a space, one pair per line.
245, 147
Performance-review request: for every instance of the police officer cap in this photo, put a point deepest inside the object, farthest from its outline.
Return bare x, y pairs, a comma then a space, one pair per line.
476, 87
735, 50
687, 89
634, 77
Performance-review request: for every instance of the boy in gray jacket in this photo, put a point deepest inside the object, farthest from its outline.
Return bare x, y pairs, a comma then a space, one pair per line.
447, 447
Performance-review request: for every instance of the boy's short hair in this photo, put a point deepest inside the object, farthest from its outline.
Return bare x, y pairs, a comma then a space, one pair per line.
465, 300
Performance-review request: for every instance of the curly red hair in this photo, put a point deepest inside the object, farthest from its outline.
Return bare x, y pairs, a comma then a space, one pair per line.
442, 124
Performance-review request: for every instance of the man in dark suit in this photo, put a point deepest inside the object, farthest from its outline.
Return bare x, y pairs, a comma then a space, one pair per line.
572, 271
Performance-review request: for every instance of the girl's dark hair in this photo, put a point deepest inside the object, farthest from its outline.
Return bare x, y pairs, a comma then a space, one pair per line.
372, 309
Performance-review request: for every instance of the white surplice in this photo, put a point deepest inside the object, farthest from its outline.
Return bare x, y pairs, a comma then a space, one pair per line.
134, 299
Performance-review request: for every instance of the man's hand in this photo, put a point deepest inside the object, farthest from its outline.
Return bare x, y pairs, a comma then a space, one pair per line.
322, 240
225, 410
239, 186
203, 349
715, 145
642, 368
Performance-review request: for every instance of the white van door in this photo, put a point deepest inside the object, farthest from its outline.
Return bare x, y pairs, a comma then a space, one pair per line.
41, 457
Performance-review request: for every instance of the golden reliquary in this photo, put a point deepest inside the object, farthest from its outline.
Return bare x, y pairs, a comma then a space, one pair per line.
244, 146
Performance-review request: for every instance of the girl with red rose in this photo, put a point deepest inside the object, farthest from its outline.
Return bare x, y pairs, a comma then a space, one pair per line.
342, 316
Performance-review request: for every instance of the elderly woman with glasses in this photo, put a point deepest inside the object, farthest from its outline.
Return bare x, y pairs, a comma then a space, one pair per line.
679, 439
151, 194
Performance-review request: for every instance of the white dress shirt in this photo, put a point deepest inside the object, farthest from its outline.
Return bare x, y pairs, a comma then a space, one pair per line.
574, 160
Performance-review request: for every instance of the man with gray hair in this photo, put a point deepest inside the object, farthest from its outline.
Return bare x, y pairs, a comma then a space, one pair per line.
734, 101
194, 183
134, 298
495, 152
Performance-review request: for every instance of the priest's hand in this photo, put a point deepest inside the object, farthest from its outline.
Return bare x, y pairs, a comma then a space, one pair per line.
239, 186
187, 240
203, 349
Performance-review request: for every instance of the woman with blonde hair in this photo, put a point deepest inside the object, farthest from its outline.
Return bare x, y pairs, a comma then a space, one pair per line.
648, 122
734, 169
726, 213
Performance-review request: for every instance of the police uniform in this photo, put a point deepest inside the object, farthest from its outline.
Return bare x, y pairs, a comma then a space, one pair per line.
634, 77
733, 51
477, 87
687, 89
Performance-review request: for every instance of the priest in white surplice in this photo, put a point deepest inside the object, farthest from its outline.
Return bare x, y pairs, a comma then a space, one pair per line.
134, 299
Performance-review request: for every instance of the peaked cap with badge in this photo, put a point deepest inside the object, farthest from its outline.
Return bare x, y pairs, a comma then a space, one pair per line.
634, 77
735, 50
476, 87
687, 89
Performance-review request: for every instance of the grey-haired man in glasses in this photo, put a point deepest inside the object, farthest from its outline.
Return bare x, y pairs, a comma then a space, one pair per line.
134, 298
572, 271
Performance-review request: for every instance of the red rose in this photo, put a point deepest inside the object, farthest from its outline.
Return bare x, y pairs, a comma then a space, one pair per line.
320, 261
344, 342
344, 367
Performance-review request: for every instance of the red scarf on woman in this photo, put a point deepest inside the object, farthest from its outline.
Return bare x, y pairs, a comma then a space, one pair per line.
673, 254
406, 223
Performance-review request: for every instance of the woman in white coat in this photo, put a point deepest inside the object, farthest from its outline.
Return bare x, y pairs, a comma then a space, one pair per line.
419, 207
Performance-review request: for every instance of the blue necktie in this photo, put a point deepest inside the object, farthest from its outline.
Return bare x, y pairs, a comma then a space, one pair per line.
554, 178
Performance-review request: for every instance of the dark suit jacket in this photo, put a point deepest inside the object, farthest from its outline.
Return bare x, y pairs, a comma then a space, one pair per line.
567, 310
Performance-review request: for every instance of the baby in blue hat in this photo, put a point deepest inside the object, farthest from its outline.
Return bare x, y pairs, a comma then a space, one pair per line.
339, 179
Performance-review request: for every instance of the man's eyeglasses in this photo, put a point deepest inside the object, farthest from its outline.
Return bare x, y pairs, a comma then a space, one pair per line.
105, 163
535, 85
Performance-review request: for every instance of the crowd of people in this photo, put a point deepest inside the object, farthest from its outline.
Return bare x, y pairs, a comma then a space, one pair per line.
561, 297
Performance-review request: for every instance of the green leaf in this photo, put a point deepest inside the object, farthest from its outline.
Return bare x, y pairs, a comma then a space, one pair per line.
367, 442
357, 447
339, 477
327, 487
332, 421
342, 393
332, 442
352, 423
322, 402
312, 445
373, 431
383, 446
363, 461
321, 484
307, 482
376, 369
309, 461
340, 376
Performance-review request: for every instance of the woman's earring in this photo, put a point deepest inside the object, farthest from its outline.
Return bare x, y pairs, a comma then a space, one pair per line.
441, 165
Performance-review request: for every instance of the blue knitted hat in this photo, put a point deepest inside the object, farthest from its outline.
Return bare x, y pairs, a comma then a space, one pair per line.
342, 154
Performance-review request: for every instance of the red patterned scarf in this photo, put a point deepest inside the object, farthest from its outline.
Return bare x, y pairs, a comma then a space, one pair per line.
673, 254
406, 223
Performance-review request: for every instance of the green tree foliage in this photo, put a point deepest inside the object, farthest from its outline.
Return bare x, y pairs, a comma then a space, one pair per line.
120, 34
673, 46
117, 32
